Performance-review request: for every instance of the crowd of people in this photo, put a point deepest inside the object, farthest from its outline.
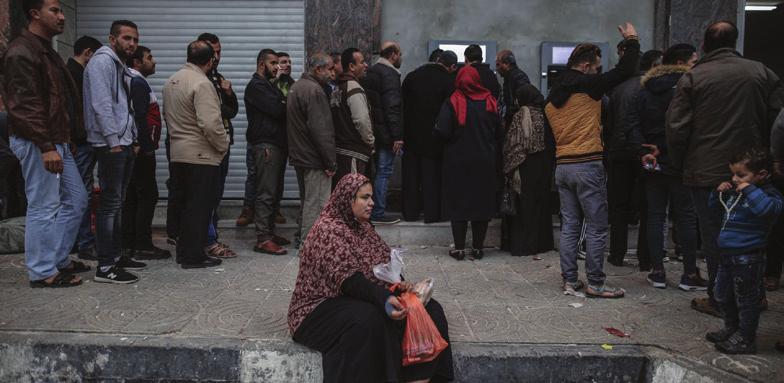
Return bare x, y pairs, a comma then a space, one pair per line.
662, 134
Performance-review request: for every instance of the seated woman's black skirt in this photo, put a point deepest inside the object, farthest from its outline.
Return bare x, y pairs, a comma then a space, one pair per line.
359, 343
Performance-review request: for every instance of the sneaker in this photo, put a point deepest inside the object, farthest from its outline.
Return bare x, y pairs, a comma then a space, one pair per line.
693, 282
152, 253
384, 220
736, 344
657, 279
604, 291
719, 336
130, 264
88, 254
115, 275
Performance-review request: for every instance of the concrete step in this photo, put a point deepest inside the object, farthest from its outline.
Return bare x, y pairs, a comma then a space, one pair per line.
75, 357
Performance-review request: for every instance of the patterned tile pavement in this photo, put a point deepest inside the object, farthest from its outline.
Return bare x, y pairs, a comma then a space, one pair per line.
498, 299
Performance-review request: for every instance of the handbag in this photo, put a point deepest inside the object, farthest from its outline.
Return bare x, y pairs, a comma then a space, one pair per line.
508, 201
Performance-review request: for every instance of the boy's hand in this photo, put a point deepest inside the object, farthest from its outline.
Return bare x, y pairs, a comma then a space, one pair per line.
724, 186
741, 186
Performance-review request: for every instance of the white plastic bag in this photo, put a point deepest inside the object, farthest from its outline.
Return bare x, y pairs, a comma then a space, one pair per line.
391, 272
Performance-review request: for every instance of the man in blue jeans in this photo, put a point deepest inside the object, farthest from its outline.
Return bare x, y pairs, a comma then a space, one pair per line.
575, 112
112, 132
724, 103
382, 86
84, 49
42, 103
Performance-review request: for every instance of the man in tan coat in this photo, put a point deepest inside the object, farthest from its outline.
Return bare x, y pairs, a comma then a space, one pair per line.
198, 144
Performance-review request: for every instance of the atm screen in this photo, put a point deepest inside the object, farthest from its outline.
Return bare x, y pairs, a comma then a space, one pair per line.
459, 49
561, 55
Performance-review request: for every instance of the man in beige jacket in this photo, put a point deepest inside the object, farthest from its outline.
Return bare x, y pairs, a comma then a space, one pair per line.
198, 144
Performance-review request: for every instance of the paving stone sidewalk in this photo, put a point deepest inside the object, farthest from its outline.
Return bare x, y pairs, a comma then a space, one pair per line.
500, 299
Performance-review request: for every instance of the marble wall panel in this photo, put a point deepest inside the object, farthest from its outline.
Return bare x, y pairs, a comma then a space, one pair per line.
334, 25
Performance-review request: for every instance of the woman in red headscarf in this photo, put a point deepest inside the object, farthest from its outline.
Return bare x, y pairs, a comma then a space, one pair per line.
470, 127
342, 310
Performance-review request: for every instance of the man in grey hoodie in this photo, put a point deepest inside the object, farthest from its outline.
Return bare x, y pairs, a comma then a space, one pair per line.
112, 132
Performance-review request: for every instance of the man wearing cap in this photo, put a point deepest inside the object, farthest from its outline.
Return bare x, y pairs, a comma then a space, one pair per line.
424, 91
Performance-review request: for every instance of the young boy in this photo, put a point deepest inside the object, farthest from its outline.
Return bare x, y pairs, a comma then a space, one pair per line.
750, 205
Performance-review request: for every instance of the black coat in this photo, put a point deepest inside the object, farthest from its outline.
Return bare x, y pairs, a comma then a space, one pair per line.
614, 130
424, 92
382, 87
513, 80
647, 116
471, 162
488, 79
265, 107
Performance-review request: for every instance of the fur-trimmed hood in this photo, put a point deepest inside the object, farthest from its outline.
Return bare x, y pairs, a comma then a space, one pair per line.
663, 77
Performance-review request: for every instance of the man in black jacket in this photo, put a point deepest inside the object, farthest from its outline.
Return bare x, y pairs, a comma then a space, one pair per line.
382, 86
514, 78
473, 56
424, 92
724, 103
625, 199
229, 108
84, 48
265, 106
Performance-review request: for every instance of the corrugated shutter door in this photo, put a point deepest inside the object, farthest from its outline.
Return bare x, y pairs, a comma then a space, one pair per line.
244, 28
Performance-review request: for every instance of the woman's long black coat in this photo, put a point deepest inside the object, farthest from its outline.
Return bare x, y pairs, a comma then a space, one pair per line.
471, 163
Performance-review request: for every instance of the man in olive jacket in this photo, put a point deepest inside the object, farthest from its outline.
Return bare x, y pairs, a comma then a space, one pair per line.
311, 138
723, 104
199, 141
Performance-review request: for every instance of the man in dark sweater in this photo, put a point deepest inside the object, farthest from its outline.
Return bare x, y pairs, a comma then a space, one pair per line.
265, 106
514, 79
750, 205
84, 48
473, 56
424, 92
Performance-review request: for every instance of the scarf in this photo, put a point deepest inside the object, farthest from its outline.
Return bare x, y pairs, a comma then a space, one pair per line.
337, 247
525, 135
468, 85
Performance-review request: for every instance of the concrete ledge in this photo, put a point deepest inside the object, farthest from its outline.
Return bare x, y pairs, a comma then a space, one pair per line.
70, 357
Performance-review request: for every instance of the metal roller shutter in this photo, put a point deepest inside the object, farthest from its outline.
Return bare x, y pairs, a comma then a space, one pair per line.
244, 27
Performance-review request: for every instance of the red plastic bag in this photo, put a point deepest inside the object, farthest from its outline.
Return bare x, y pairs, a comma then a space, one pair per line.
421, 340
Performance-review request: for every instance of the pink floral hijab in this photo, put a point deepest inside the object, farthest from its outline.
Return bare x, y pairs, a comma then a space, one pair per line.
337, 246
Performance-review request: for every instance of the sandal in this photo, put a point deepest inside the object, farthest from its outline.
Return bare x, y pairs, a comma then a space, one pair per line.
575, 286
76, 267
457, 254
604, 291
60, 280
219, 250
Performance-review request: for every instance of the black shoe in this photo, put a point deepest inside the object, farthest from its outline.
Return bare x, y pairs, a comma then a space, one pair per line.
152, 253
207, 262
115, 275
477, 253
384, 220
88, 254
719, 336
172, 241
457, 254
129, 264
736, 344
693, 283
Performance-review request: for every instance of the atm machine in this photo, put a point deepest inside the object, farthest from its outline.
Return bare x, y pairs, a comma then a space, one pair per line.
459, 46
554, 57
